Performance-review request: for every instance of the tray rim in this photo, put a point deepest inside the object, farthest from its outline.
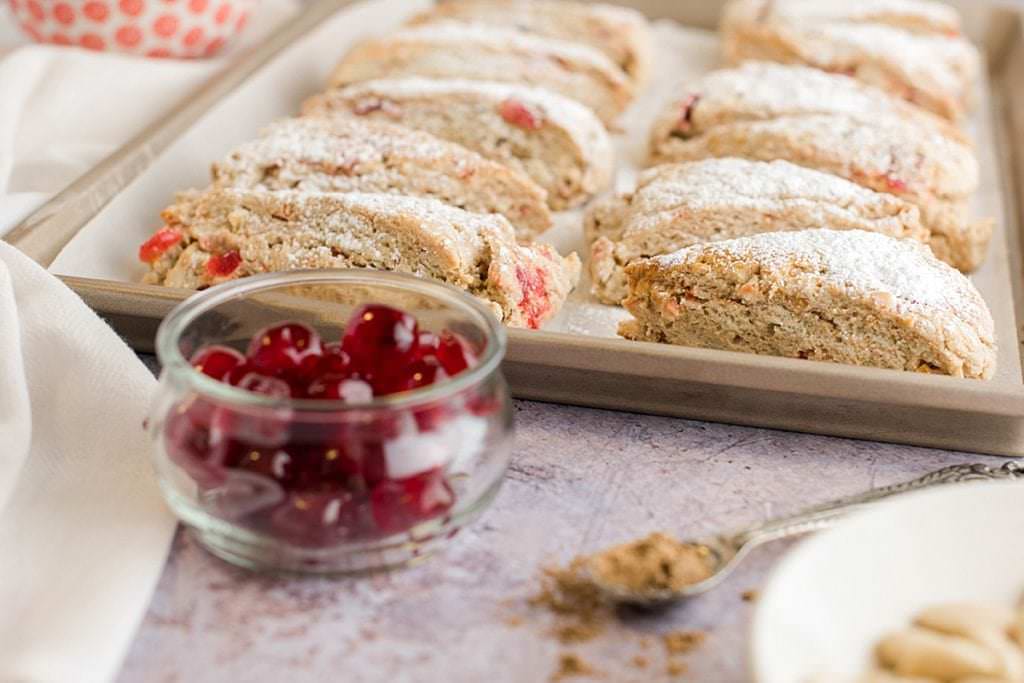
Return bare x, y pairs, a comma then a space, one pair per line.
135, 308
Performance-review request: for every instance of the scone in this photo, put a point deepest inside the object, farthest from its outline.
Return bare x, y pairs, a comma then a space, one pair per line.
891, 155
757, 91
354, 155
679, 205
846, 296
909, 48
556, 141
451, 49
619, 32
223, 234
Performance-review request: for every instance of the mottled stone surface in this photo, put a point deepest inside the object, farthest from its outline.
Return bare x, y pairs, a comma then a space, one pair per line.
580, 479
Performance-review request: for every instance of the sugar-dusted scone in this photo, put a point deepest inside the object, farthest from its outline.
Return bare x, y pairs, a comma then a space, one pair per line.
354, 155
451, 49
757, 91
909, 48
846, 296
915, 163
223, 234
678, 205
620, 33
554, 140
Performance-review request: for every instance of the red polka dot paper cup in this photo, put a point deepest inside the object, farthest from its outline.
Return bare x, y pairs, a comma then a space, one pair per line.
153, 28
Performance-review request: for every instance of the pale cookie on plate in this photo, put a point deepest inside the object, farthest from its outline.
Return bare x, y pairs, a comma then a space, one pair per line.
909, 48
451, 49
891, 155
556, 141
845, 296
757, 91
679, 205
226, 234
621, 33
354, 155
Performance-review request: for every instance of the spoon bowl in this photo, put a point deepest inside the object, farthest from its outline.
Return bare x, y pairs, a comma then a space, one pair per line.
727, 550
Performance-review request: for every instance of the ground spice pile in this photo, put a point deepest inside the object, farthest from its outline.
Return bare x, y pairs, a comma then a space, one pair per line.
657, 562
569, 593
570, 665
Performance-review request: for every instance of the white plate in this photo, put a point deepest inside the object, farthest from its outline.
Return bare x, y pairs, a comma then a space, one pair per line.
834, 595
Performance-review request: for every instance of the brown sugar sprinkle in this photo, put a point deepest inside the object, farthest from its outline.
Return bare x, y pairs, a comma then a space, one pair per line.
571, 665
640, 662
750, 595
657, 562
681, 642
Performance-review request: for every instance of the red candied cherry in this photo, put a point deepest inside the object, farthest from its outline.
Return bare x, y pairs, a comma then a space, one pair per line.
454, 353
273, 463
418, 374
156, 246
317, 518
334, 361
895, 184
536, 303
192, 445
427, 343
326, 463
518, 114
430, 417
378, 337
246, 377
223, 265
398, 504
337, 388
285, 350
255, 426
216, 361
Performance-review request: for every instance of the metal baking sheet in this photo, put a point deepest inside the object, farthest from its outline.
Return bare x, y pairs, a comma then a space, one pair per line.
569, 363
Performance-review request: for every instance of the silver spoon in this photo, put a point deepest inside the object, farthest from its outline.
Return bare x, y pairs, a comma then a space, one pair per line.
726, 550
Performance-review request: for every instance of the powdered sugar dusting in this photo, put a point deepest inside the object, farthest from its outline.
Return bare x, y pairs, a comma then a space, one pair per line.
337, 142
922, 59
730, 181
861, 263
893, 150
764, 90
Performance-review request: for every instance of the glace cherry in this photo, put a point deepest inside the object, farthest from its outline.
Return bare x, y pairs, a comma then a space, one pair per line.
331, 474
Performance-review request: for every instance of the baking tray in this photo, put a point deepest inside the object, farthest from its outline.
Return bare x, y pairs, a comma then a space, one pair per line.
612, 373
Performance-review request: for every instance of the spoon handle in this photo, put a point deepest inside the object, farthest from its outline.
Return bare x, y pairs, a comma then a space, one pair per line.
822, 516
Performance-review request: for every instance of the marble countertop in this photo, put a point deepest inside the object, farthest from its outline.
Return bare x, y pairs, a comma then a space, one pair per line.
580, 479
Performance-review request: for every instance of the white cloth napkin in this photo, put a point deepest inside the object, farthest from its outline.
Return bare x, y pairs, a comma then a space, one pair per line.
84, 532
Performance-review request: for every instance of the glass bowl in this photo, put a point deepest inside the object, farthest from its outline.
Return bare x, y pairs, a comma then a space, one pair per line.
323, 485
